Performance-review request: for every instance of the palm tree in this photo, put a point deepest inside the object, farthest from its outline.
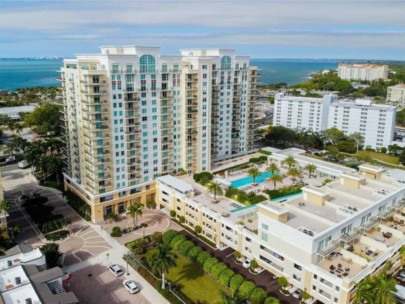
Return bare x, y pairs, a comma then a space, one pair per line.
272, 168
384, 289
253, 173
275, 178
162, 260
289, 161
54, 166
214, 188
294, 173
4, 206
310, 168
135, 210
377, 289
234, 299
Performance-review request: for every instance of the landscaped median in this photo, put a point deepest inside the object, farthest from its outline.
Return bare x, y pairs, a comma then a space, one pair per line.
195, 272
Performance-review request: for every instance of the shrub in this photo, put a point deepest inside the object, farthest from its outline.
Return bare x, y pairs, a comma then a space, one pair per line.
272, 300
282, 282
258, 296
56, 236
217, 269
253, 264
151, 204
241, 196
237, 255
287, 190
185, 247
172, 213
194, 252
177, 240
139, 243
208, 264
197, 229
116, 231
264, 152
225, 277
235, 282
52, 254
203, 178
182, 219
169, 235
245, 289
202, 257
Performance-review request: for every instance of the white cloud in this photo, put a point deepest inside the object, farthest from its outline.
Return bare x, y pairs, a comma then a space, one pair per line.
220, 14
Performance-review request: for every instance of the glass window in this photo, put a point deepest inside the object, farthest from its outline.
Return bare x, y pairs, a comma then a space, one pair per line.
226, 63
147, 63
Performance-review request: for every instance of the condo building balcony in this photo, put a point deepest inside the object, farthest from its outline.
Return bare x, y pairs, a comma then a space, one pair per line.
343, 264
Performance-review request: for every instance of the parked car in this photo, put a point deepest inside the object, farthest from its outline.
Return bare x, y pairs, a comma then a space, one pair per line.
246, 263
23, 164
10, 159
131, 286
297, 294
116, 270
401, 276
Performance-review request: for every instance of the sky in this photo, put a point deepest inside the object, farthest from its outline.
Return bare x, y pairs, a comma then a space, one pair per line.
354, 29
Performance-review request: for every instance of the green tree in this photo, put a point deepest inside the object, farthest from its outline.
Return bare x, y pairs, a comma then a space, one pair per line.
135, 210
376, 289
215, 189
161, 260
358, 138
54, 165
402, 157
232, 299
333, 135
46, 118
289, 161
272, 168
253, 173
310, 168
52, 254
275, 178
294, 173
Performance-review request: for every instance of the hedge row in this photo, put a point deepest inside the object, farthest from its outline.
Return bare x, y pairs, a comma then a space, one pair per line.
218, 270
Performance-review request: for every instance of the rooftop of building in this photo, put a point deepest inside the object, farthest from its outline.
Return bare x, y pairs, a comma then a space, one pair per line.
16, 110
362, 65
341, 202
27, 284
19, 254
360, 103
399, 86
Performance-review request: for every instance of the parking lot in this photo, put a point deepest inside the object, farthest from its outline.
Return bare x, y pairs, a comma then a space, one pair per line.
96, 285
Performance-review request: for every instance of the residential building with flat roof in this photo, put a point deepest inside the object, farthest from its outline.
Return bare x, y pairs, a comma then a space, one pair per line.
374, 121
324, 241
132, 114
363, 71
396, 94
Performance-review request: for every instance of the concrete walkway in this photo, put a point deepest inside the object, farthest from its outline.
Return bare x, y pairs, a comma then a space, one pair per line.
115, 255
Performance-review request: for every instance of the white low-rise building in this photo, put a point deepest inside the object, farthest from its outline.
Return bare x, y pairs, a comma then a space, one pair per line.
374, 121
324, 241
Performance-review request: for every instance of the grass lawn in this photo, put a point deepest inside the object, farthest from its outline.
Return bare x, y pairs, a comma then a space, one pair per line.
394, 160
194, 282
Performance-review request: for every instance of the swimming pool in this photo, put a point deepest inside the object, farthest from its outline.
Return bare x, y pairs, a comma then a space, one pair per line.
248, 180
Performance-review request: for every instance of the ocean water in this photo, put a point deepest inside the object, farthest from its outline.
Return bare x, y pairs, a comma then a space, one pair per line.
18, 73
291, 71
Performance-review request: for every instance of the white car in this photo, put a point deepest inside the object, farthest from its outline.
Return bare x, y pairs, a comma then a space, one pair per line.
246, 263
297, 294
131, 286
116, 270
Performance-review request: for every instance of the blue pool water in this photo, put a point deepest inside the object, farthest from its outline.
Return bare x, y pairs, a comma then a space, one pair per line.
248, 180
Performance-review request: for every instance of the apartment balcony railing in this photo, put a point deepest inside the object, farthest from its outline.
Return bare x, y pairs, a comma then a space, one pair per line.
348, 237
369, 224
386, 214
328, 250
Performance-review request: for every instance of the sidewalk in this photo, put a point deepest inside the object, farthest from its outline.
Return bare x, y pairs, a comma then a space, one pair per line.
114, 255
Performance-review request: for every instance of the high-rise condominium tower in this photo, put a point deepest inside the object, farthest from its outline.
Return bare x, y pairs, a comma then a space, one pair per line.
132, 114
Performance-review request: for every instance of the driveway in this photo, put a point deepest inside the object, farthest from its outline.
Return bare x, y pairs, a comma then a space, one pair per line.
84, 242
264, 279
156, 220
96, 285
